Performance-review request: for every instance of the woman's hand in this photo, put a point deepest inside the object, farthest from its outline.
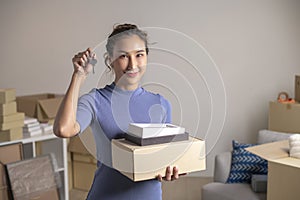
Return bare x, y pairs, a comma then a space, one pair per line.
84, 62
170, 175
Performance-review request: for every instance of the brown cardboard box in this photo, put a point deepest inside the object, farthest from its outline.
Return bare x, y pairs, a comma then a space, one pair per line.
83, 175
297, 88
70, 175
8, 154
11, 134
76, 146
11, 153
146, 162
12, 117
284, 117
8, 108
10, 125
7, 95
3, 183
84, 164
41, 106
283, 171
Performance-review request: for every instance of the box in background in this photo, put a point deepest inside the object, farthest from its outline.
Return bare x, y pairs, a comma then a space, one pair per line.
146, 162
283, 171
284, 117
297, 88
8, 108
83, 175
11, 134
41, 106
8, 154
83, 164
7, 95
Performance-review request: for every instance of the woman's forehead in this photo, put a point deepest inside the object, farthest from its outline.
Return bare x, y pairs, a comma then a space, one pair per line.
129, 44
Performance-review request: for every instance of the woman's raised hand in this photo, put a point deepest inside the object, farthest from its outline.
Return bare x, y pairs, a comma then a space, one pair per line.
84, 62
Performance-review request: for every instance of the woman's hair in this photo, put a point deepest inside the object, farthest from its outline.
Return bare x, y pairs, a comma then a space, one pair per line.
120, 31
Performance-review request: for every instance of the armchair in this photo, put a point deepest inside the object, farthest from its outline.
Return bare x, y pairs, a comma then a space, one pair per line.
219, 190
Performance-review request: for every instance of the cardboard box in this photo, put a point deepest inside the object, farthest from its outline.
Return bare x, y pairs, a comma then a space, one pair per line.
11, 153
10, 125
41, 106
3, 184
12, 117
76, 146
146, 162
8, 154
157, 140
284, 117
83, 175
147, 130
11, 134
7, 95
8, 108
283, 171
297, 88
84, 164
70, 175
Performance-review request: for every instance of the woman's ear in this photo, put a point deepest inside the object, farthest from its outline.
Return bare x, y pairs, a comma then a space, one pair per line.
108, 61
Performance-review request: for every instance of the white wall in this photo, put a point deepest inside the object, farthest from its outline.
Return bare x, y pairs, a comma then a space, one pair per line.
255, 45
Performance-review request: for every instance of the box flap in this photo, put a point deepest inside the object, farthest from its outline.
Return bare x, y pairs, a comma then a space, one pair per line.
293, 162
50, 106
27, 106
271, 151
76, 146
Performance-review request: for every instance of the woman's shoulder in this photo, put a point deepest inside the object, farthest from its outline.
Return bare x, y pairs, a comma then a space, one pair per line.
155, 95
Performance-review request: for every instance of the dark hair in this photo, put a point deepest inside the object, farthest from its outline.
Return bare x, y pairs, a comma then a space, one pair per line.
120, 31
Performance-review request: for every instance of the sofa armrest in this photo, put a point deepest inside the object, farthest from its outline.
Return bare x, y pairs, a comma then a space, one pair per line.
222, 167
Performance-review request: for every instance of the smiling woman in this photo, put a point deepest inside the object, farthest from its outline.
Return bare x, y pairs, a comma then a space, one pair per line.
109, 110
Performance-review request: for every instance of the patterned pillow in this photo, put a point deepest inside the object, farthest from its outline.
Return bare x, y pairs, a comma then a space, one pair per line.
244, 164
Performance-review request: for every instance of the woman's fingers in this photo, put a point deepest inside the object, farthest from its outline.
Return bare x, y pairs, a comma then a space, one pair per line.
175, 173
170, 174
81, 61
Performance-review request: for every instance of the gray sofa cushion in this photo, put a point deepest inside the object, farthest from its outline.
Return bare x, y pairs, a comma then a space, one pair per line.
220, 191
266, 136
222, 167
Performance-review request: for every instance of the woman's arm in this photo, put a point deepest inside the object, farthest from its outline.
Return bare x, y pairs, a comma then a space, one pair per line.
65, 124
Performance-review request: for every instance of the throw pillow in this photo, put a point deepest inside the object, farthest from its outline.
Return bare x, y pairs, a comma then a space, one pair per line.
244, 164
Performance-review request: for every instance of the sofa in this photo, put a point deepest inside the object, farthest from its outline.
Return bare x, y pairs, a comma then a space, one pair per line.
220, 190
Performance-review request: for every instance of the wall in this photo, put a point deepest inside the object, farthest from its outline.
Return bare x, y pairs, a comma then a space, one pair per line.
254, 44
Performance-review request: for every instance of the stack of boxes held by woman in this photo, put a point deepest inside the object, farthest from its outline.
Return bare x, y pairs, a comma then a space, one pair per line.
11, 121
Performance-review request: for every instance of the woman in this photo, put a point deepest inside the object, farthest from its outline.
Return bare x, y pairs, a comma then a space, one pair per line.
109, 110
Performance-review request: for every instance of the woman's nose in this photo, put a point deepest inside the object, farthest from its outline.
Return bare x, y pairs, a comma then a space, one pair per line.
132, 63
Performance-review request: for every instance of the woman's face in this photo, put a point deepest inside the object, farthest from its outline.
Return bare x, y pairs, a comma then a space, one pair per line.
129, 61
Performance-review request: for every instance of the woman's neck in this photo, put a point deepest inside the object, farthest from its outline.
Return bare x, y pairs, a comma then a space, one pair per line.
128, 87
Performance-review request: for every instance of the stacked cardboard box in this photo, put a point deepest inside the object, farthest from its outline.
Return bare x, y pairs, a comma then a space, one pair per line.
149, 134
83, 164
41, 106
11, 121
146, 162
8, 154
284, 117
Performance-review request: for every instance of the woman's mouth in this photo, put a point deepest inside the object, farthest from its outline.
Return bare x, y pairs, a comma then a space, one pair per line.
131, 73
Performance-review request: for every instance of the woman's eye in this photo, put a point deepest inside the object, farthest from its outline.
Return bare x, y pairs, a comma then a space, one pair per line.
123, 56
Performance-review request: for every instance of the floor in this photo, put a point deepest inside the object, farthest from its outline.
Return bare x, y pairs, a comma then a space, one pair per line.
186, 188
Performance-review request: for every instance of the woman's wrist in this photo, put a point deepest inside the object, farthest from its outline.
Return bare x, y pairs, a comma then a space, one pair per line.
79, 76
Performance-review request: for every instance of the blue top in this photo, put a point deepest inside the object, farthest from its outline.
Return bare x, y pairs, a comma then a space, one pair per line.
108, 111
